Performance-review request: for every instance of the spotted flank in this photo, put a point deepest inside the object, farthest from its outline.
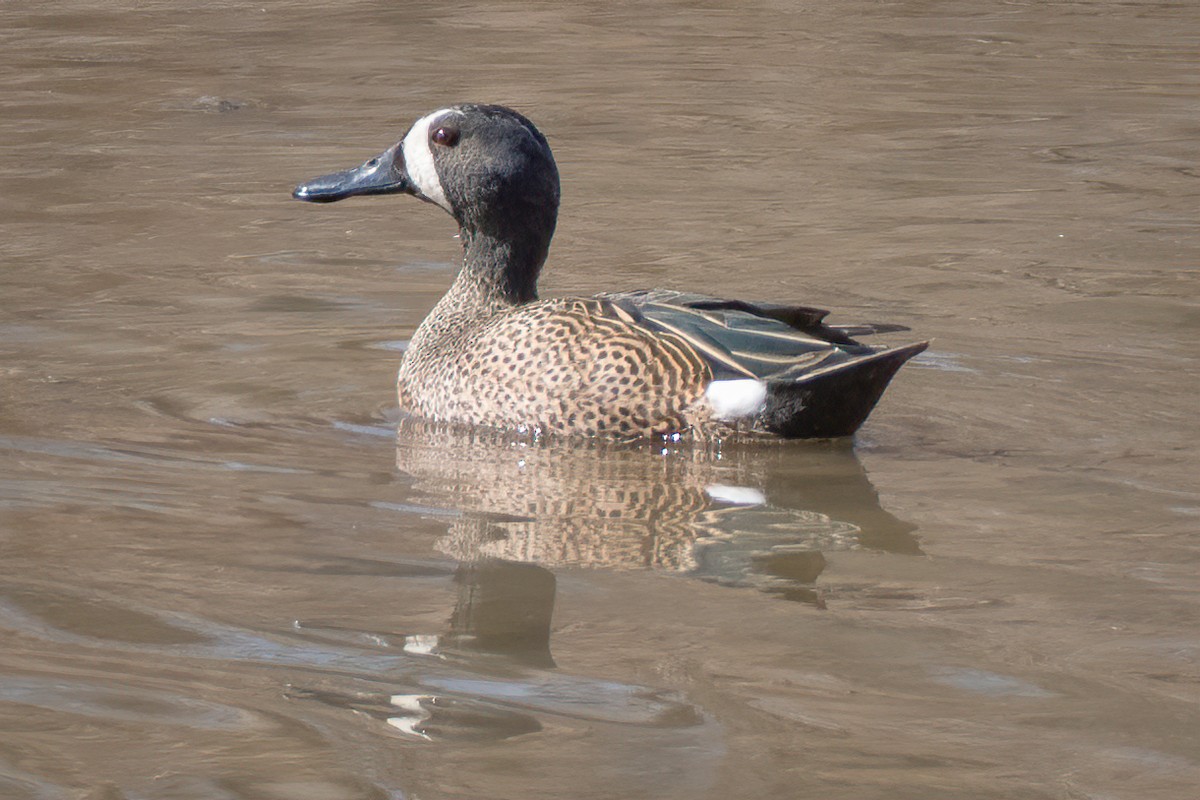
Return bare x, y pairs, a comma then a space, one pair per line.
624, 365
566, 366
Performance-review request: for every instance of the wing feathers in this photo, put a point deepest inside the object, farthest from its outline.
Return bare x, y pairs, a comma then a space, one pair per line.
769, 342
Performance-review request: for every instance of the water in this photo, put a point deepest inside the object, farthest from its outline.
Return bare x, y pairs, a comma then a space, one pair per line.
222, 575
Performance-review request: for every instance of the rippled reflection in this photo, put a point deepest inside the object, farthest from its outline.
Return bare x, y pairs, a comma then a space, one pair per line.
517, 508
748, 515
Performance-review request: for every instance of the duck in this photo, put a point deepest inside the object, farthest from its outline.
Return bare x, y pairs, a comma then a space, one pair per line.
619, 365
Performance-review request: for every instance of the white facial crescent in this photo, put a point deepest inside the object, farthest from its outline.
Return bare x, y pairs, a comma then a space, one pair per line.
418, 157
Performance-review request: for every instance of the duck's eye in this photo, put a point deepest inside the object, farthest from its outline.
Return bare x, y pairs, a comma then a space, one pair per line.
446, 136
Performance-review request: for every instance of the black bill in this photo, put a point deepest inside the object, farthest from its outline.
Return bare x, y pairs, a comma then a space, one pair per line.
384, 174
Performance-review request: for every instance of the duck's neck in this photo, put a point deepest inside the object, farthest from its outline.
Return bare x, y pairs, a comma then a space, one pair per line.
500, 267
499, 271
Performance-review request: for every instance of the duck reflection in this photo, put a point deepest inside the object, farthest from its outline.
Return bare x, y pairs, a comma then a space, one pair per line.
745, 515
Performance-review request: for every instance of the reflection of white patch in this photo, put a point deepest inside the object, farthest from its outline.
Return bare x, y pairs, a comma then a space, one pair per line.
418, 158
736, 398
736, 495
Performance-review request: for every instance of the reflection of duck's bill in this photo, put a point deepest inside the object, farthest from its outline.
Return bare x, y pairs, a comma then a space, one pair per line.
421, 644
415, 716
836, 401
434, 717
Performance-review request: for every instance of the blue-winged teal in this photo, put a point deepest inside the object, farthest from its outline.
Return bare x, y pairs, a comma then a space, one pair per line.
625, 364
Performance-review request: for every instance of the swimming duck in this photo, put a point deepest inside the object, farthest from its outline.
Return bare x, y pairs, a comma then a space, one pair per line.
623, 364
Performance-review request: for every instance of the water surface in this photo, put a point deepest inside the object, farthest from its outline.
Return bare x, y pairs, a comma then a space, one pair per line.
223, 574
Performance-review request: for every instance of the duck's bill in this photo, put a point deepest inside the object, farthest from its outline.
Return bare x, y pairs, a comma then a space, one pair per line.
384, 174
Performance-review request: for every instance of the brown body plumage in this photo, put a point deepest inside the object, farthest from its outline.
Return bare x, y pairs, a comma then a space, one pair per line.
573, 366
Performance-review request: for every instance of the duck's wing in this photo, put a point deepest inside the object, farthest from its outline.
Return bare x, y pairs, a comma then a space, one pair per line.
805, 319
766, 341
820, 381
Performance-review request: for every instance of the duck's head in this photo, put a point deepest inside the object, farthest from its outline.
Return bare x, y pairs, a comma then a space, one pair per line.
488, 166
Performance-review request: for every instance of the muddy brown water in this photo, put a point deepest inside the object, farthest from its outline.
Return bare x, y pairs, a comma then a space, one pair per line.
222, 575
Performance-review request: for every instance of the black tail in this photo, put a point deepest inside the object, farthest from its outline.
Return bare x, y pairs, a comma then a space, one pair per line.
836, 402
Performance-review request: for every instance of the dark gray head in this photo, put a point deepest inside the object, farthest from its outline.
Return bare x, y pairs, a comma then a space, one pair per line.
486, 165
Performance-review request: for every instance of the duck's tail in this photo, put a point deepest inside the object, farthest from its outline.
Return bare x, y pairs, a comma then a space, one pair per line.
835, 401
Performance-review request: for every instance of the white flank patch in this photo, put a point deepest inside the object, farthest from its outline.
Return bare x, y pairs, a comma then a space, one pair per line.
418, 158
736, 495
734, 399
